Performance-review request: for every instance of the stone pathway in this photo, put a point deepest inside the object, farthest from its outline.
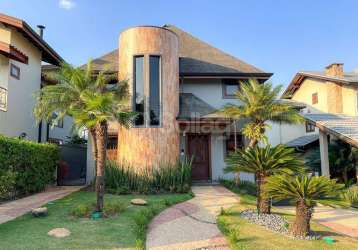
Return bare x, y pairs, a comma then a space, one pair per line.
191, 225
11, 210
344, 221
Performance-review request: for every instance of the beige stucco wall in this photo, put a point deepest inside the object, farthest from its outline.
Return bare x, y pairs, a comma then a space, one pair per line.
349, 94
304, 94
5, 34
19, 118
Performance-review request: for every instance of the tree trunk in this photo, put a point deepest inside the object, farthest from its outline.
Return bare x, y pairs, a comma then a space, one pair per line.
92, 132
345, 175
301, 225
263, 203
253, 143
101, 134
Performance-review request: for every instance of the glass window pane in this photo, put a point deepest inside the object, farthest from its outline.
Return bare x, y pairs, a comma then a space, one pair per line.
154, 90
231, 89
138, 89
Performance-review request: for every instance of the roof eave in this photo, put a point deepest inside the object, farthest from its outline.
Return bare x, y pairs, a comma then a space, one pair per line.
49, 54
240, 74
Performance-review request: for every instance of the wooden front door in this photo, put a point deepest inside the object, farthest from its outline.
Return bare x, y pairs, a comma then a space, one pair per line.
198, 148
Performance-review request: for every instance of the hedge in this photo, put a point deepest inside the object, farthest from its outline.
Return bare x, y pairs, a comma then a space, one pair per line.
25, 167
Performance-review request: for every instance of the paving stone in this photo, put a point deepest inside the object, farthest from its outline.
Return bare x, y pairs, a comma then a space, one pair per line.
59, 232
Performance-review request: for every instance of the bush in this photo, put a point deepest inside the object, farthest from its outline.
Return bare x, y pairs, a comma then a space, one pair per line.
351, 196
32, 166
167, 178
112, 208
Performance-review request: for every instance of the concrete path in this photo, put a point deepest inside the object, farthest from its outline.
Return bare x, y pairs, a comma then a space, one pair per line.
11, 210
191, 225
344, 221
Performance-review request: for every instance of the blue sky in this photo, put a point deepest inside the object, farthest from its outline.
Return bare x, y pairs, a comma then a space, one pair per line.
278, 36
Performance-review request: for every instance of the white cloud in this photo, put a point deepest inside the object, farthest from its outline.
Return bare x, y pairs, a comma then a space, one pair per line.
66, 4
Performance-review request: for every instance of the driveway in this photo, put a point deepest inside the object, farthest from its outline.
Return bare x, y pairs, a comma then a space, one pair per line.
13, 209
192, 224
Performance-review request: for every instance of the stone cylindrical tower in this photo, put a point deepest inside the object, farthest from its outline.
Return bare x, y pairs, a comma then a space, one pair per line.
149, 61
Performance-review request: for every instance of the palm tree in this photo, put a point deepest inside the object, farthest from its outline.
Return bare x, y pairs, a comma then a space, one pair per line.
305, 192
264, 162
258, 104
87, 97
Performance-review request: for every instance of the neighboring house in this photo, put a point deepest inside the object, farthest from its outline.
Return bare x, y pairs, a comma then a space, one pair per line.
22, 52
59, 132
178, 82
331, 97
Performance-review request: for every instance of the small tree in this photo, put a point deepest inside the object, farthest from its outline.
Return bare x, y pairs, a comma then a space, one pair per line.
259, 104
305, 192
92, 102
264, 162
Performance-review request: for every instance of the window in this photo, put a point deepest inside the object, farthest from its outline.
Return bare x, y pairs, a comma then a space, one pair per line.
57, 123
15, 71
314, 98
3, 99
112, 142
154, 90
309, 127
230, 143
230, 87
138, 90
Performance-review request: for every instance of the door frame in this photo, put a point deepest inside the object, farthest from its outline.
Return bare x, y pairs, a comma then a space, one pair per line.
209, 149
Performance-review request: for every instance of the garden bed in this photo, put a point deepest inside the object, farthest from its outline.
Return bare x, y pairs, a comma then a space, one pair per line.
127, 229
243, 234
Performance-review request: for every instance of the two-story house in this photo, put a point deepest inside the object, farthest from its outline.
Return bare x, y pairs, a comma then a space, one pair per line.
331, 99
177, 83
22, 52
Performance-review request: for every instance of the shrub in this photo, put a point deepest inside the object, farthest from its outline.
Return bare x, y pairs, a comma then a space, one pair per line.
32, 164
351, 196
7, 183
112, 208
166, 178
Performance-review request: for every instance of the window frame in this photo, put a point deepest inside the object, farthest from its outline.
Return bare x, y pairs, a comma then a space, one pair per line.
160, 91
239, 141
314, 98
134, 102
18, 76
225, 83
310, 127
3, 91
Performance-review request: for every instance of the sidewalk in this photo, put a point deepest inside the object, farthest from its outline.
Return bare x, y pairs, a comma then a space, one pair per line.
192, 224
13, 209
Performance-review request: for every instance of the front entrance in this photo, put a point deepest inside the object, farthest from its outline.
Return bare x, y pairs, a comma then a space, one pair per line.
198, 148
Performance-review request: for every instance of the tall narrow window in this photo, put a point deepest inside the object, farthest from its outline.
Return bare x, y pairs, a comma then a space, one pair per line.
154, 90
138, 89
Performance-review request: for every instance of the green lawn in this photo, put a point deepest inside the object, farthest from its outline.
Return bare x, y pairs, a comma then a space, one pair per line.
244, 235
118, 232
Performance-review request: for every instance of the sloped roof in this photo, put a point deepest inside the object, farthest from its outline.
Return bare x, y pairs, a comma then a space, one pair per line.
302, 141
345, 127
48, 54
192, 107
348, 78
196, 58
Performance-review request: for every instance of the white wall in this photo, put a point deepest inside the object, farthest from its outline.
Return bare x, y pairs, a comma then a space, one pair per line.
62, 133
19, 118
209, 90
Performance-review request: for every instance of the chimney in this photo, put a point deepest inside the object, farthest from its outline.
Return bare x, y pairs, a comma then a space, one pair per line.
335, 70
40, 30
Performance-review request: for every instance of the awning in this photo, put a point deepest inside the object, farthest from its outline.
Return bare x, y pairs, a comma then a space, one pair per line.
302, 141
344, 127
